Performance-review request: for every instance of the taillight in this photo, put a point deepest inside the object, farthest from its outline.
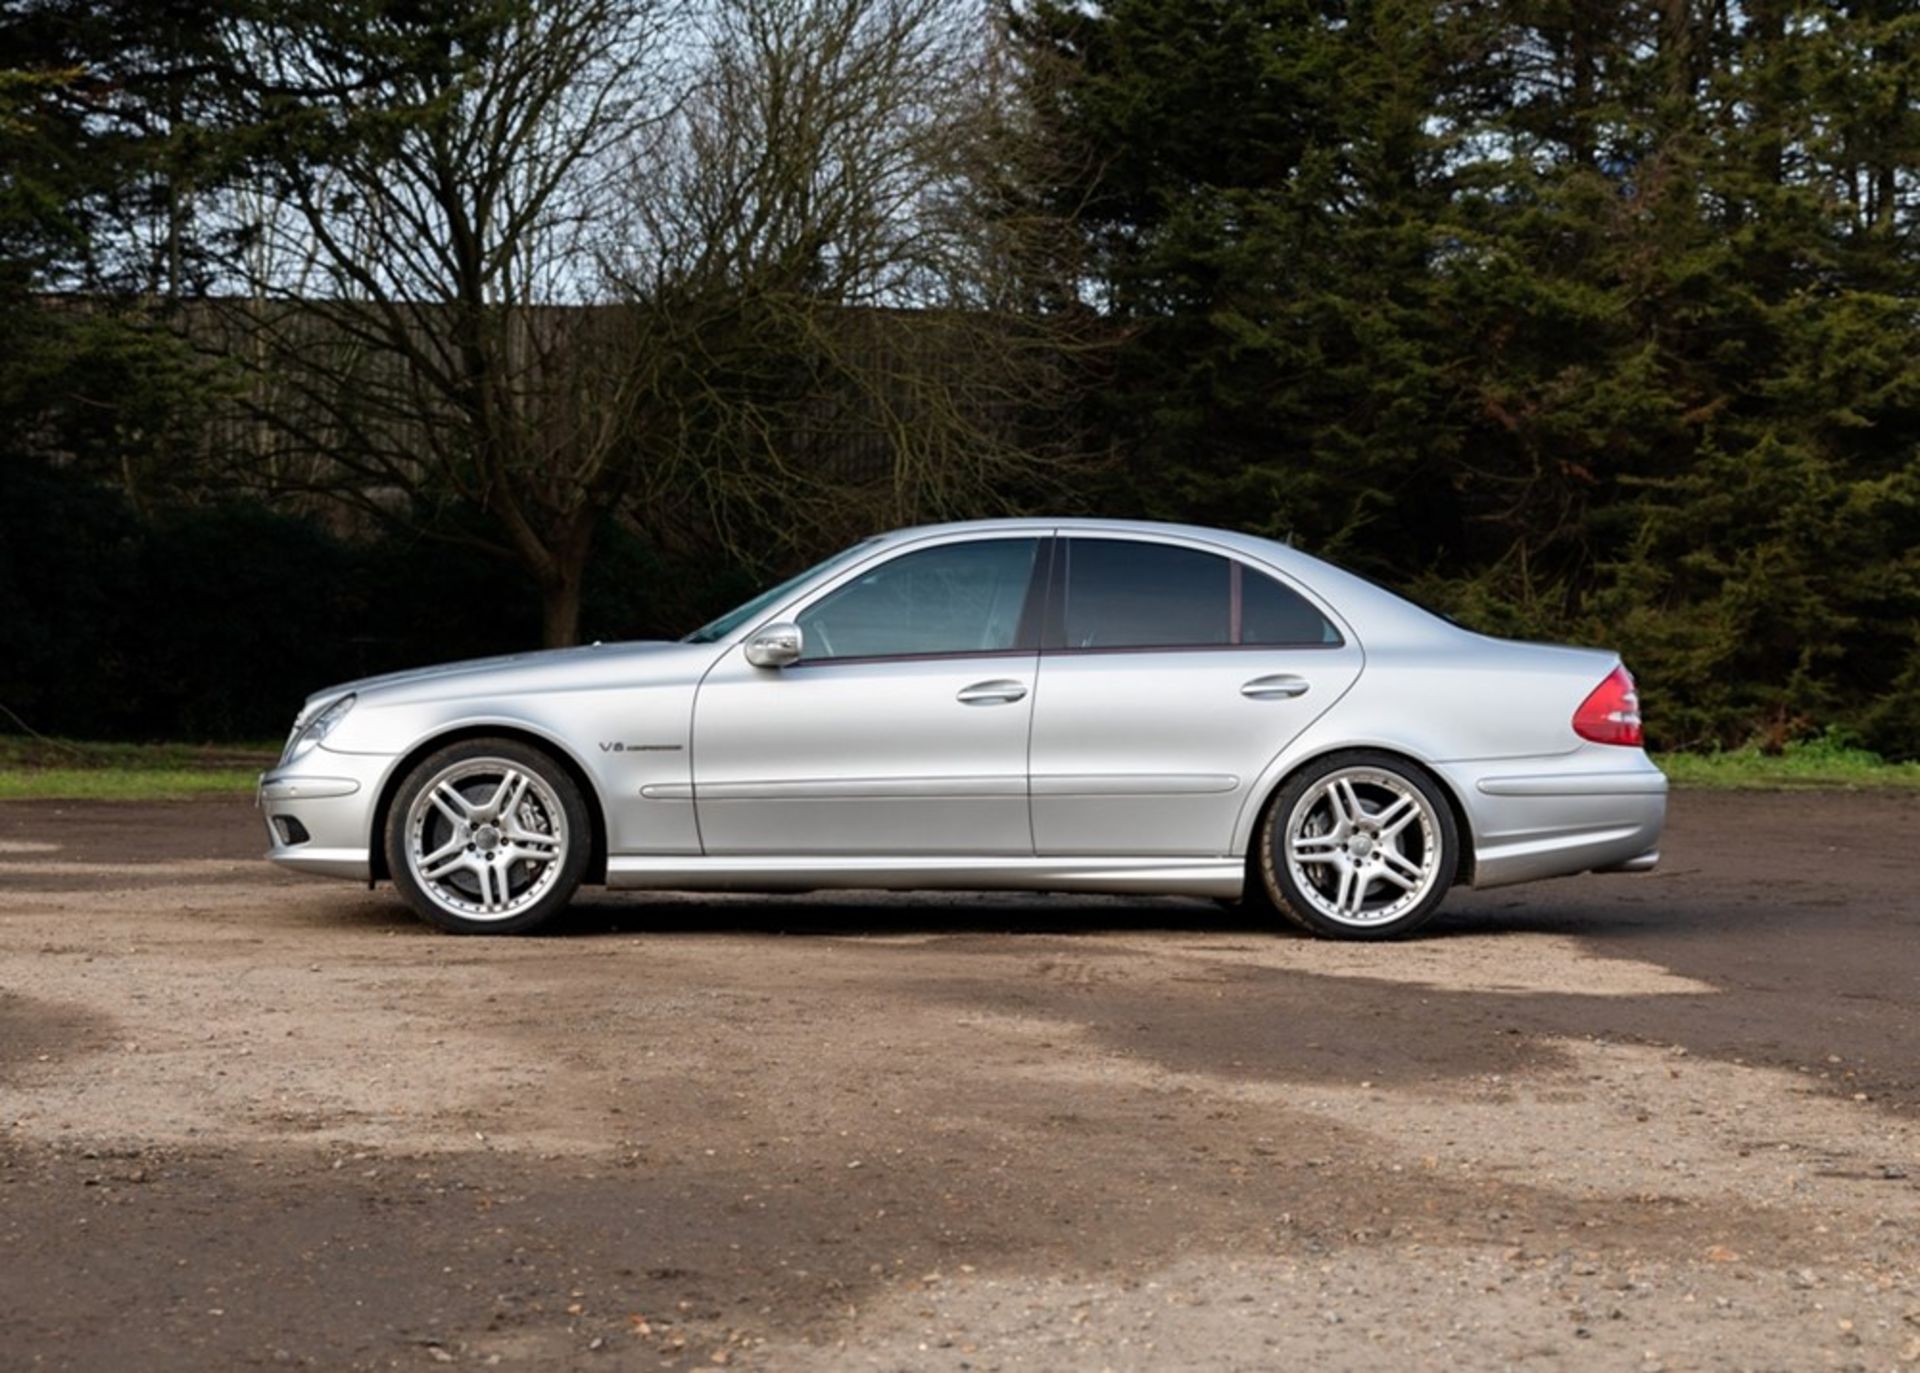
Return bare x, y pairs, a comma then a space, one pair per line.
1611, 712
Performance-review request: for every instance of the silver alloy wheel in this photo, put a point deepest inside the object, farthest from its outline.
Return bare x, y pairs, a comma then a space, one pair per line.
1363, 846
486, 838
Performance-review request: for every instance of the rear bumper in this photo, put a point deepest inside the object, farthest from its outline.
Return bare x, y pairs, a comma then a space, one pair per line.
1587, 812
318, 812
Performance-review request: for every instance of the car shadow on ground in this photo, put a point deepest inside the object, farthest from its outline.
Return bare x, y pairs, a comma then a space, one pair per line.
598, 913
1744, 991
1758, 998
881, 914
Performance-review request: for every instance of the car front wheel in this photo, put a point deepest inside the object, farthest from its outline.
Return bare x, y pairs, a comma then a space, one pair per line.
1359, 845
488, 836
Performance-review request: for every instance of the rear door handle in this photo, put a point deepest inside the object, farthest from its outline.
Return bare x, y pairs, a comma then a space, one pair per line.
1278, 687
995, 693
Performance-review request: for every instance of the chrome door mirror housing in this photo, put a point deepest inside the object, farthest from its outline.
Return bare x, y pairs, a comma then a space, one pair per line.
777, 645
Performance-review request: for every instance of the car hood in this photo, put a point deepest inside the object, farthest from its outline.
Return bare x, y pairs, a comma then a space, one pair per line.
546, 669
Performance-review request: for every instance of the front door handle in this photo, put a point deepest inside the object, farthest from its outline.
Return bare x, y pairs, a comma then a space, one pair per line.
1278, 687
995, 693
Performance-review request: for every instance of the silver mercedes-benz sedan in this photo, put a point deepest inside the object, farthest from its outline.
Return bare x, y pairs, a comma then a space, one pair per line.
1047, 705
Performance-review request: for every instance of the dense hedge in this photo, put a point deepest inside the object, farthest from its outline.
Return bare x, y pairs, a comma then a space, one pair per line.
215, 622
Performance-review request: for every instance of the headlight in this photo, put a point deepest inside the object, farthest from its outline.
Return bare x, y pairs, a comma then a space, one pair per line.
316, 729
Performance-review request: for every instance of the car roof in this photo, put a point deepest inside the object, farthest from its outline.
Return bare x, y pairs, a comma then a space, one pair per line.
1082, 524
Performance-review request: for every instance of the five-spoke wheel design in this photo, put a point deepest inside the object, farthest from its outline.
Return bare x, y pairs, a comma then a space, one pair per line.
487, 835
1359, 845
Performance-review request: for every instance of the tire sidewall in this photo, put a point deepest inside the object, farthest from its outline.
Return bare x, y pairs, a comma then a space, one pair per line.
1276, 875
572, 868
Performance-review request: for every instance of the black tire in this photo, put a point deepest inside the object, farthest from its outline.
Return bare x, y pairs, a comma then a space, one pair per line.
548, 813
1419, 845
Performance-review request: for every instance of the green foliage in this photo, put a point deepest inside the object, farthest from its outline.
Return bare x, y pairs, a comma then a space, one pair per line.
106, 145
1243, 192
1771, 589
1591, 322
68, 549
65, 770
1822, 760
105, 784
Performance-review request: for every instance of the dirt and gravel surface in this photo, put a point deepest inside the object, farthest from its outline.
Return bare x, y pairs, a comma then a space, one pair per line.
248, 1119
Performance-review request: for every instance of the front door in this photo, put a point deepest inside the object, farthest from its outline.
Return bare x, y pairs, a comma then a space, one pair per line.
901, 730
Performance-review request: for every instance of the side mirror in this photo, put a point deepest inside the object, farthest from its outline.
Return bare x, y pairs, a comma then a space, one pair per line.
775, 646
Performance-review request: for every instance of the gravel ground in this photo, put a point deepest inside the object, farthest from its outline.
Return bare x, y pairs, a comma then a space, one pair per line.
248, 1119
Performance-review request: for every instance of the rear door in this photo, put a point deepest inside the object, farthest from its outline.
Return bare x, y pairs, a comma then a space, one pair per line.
1170, 676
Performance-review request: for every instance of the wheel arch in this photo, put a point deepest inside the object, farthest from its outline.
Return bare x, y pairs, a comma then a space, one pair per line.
1463, 825
563, 758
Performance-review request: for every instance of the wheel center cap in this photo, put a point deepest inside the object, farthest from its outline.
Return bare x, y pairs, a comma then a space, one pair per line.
1361, 845
486, 838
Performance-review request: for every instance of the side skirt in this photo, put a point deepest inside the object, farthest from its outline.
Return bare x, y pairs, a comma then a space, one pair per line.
1216, 877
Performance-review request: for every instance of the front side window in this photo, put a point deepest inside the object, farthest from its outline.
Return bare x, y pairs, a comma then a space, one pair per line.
957, 598
1125, 594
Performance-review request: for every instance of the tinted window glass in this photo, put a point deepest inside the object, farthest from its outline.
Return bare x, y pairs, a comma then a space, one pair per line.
1274, 614
958, 598
1122, 594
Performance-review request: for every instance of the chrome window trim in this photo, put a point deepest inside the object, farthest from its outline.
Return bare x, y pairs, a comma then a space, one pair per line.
1194, 648
869, 658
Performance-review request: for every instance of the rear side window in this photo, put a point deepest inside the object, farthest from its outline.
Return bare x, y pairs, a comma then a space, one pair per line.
1144, 595
1125, 594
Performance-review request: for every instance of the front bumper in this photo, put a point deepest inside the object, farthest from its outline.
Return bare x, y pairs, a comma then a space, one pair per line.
319, 812
1588, 812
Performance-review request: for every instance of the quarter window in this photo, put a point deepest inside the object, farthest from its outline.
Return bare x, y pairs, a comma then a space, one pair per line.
1278, 615
956, 598
1126, 594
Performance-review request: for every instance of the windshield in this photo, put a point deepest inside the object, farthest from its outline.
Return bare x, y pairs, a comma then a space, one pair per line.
718, 629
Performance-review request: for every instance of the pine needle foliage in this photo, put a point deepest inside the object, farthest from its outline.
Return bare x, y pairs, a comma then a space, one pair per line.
1587, 321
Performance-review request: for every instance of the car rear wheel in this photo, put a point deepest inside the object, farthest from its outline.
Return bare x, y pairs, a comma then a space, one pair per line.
488, 836
1359, 845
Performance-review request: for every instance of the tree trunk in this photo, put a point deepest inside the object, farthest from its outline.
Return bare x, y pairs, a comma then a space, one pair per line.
560, 613
1767, 23
1677, 51
1580, 115
560, 590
